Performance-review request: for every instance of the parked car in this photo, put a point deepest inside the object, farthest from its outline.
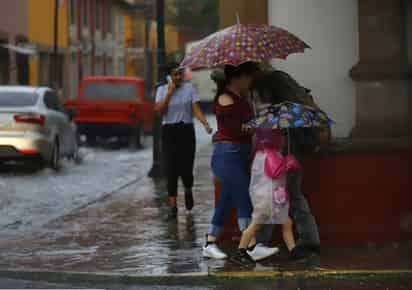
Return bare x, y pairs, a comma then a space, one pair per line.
113, 107
35, 126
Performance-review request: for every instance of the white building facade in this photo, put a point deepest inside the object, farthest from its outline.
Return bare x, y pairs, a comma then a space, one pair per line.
330, 27
359, 67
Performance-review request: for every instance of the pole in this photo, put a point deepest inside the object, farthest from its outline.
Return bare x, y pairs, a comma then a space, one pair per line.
156, 171
54, 77
288, 132
148, 64
161, 51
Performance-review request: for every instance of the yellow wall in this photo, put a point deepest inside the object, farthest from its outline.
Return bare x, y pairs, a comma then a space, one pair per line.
128, 30
34, 71
171, 39
41, 23
128, 40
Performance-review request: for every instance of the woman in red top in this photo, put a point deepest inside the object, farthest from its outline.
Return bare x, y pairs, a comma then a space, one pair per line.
232, 154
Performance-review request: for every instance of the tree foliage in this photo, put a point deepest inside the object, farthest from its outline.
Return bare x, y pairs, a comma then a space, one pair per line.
196, 15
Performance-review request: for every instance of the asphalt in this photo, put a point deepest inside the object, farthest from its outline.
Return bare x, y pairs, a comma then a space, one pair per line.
127, 237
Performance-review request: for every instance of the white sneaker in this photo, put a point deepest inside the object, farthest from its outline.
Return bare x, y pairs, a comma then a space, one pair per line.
261, 252
212, 251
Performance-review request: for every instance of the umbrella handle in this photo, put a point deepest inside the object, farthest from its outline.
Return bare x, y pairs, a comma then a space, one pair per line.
288, 141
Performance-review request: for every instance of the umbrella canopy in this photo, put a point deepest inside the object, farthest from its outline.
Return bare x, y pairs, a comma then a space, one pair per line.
290, 115
243, 43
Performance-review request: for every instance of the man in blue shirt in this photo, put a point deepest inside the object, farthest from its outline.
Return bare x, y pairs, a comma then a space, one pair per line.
178, 102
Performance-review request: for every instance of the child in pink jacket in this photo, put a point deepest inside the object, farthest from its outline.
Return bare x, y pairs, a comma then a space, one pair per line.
268, 191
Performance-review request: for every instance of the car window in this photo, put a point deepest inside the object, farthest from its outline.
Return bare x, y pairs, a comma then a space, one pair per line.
52, 102
17, 99
110, 91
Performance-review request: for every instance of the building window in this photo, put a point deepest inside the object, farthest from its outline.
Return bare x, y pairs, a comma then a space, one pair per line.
74, 72
119, 31
408, 6
108, 18
4, 63
72, 12
85, 12
98, 11
22, 62
44, 69
99, 66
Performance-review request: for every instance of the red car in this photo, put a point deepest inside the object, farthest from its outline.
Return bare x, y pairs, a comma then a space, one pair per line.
113, 106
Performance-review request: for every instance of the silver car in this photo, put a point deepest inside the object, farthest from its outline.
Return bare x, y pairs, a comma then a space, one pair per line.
35, 125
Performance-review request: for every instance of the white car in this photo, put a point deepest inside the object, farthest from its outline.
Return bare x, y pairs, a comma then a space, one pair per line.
35, 126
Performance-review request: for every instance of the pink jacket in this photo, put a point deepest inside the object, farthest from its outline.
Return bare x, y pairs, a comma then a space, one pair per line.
277, 166
270, 142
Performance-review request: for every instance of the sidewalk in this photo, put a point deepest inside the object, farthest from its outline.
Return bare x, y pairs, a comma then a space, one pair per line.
128, 234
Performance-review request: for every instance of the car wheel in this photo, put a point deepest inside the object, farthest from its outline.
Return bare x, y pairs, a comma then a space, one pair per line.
136, 137
55, 159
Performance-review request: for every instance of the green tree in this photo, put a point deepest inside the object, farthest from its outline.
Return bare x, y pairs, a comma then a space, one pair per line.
197, 15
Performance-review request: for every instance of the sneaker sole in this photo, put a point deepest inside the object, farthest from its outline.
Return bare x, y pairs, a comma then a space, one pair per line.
267, 256
209, 256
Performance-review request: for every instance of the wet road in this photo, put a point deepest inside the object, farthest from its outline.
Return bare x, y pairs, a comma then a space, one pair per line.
301, 284
29, 200
84, 218
127, 232
107, 216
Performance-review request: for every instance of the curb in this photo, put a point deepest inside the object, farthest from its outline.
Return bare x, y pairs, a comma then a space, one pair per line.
194, 277
320, 273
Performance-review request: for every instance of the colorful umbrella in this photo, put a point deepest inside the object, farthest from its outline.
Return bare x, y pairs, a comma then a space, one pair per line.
243, 43
290, 115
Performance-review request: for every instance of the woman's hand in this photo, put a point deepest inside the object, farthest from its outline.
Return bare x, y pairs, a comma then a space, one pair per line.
201, 117
208, 129
247, 130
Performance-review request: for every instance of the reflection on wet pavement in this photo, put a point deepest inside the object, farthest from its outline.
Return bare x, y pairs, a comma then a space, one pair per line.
239, 284
129, 233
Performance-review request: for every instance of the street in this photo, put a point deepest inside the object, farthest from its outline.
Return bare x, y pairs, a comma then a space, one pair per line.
29, 200
103, 184
293, 284
106, 217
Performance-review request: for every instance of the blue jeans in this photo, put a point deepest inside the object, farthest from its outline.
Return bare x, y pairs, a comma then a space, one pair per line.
231, 166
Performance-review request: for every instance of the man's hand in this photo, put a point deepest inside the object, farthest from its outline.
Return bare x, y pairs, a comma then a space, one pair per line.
171, 88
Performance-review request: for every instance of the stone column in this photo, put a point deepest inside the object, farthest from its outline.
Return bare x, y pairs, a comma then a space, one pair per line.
383, 73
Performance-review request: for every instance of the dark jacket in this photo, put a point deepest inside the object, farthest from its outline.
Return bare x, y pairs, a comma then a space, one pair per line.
276, 87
